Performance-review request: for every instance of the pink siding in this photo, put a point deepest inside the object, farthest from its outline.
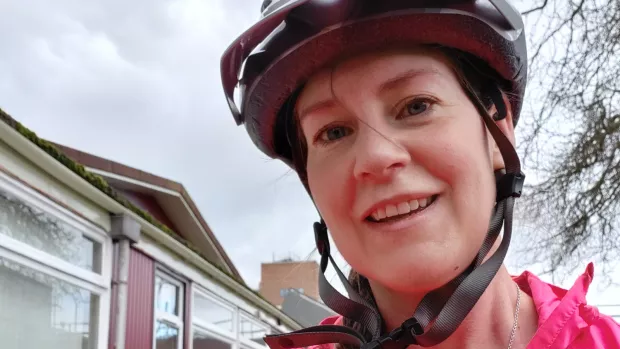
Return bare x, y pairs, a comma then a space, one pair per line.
140, 302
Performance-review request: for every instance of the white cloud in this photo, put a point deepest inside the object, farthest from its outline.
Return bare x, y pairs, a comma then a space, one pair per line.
139, 83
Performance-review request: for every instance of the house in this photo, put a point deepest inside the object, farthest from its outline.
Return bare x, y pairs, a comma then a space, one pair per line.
95, 254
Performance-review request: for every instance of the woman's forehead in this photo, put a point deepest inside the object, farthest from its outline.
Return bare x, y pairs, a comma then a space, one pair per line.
373, 71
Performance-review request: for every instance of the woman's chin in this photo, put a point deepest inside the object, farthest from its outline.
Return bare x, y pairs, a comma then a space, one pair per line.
417, 274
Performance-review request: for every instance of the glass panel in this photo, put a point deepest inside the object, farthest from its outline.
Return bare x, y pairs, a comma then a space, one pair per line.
33, 226
208, 311
41, 311
166, 336
205, 341
167, 295
251, 330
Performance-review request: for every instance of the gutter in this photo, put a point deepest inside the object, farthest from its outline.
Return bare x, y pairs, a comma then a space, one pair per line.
51, 166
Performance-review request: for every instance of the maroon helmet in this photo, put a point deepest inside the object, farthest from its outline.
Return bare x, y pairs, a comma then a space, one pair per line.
294, 38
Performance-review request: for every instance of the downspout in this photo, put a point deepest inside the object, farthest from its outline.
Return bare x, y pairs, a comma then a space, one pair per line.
124, 248
125, 231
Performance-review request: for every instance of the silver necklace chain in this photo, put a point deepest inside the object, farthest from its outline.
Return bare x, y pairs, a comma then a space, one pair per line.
516, 320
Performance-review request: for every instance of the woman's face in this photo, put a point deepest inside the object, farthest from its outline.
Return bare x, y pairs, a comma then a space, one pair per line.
400, 166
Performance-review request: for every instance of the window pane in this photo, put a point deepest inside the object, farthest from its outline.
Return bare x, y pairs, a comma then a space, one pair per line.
166, 336
167, 295
204, 341
252, 330
41, 311
208, 311
32, 226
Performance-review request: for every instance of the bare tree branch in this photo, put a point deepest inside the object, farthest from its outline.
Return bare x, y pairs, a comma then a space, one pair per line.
544, 4
572, 134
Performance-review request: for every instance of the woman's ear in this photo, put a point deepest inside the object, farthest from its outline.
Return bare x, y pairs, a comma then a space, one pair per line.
507, 127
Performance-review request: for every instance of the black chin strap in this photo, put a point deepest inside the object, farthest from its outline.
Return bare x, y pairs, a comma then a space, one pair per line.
442, 310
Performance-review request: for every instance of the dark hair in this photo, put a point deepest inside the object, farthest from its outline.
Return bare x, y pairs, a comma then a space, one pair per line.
475, 77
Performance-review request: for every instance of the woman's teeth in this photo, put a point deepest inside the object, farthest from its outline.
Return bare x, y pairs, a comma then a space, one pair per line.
402, 208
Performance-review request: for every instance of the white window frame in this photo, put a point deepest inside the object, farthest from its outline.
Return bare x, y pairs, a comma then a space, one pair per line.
39, 260
246, 342
91, 231
211, 328
177, 321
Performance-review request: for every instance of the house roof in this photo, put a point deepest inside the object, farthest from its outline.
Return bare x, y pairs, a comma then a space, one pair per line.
99, 182
184, 216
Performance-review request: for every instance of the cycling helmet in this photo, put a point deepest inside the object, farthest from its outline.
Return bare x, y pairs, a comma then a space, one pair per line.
269, 62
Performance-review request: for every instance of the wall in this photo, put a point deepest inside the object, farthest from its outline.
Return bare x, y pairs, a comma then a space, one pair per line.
281, 275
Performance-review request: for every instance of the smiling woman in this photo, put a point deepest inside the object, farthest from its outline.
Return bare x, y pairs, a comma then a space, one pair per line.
388, 136
404, 139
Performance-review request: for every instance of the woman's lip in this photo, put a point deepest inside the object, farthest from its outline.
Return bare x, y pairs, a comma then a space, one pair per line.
395, 200
407, 222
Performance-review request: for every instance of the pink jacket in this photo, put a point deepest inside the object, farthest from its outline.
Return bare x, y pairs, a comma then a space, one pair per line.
565, 320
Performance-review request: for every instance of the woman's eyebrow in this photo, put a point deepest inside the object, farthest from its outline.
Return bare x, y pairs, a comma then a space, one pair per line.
404, 77
385, 86
324, 104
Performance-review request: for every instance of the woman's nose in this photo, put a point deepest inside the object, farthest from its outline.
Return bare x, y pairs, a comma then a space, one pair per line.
378, 157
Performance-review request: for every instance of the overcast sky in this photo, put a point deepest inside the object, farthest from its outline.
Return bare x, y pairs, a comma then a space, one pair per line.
138, 82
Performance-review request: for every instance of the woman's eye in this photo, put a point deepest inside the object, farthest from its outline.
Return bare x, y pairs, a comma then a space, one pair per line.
415, 107
333, 134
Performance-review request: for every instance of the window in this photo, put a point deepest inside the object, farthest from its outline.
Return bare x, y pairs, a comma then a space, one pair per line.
209, 311
216, 324
62, 315
168, 312
213, 322
251, 330
35, 227
203, 340
54, 274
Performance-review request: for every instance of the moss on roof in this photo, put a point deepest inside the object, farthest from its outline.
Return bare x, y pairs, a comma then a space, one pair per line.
101, 184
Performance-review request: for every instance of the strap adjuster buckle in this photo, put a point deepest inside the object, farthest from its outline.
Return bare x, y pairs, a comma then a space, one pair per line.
403, 336
510, 185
